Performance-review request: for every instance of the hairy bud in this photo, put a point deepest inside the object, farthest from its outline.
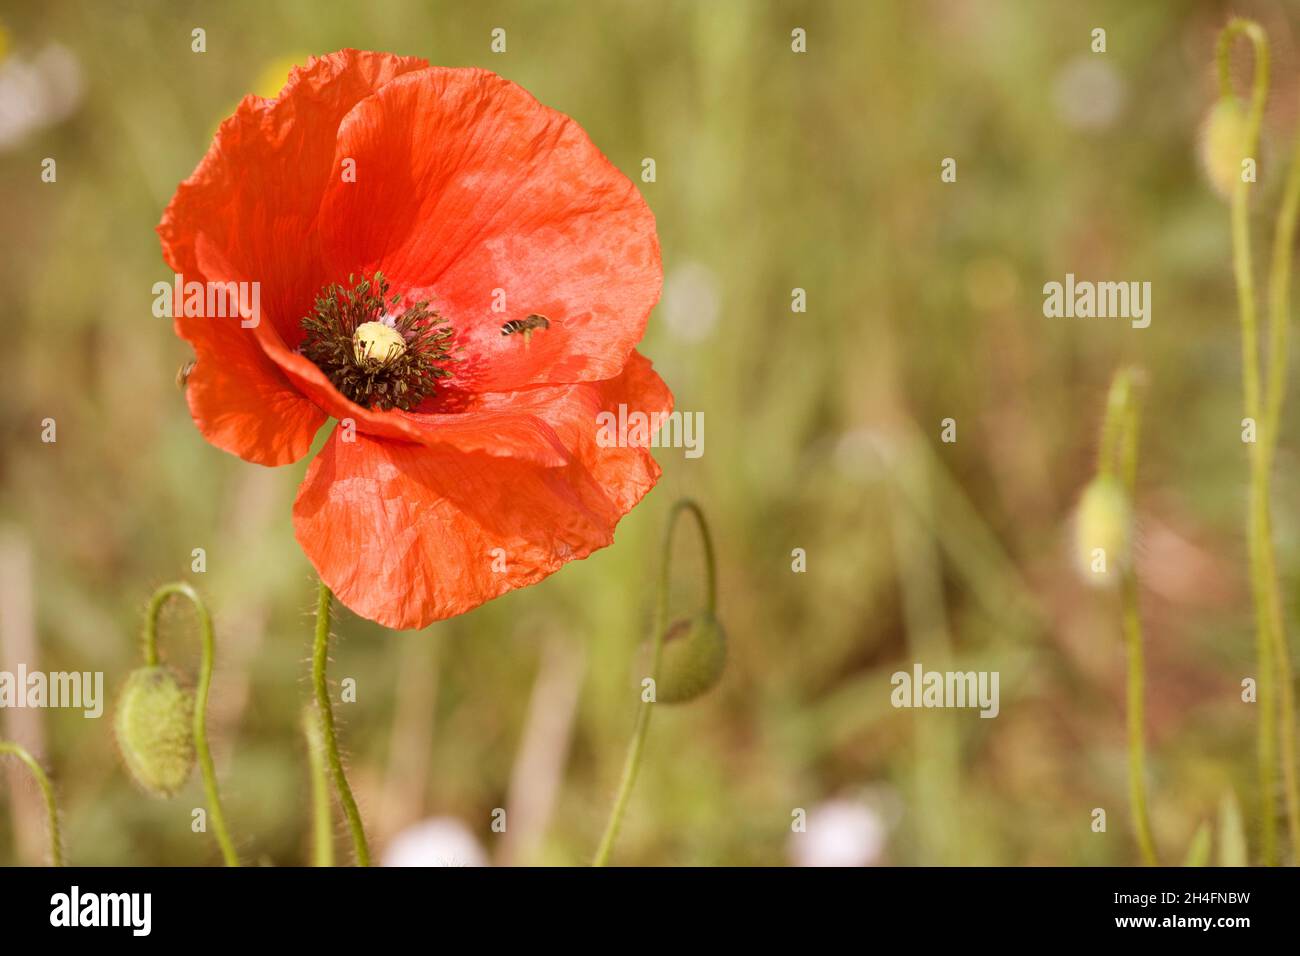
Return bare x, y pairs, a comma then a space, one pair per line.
694, 654
154, 727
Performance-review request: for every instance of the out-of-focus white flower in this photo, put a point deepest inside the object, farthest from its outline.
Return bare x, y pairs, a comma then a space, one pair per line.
840, 832
37, 91
440, 841
1089, 92
690, 302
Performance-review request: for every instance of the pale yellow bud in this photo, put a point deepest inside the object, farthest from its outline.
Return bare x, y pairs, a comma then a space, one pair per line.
1223, 145
1104, 531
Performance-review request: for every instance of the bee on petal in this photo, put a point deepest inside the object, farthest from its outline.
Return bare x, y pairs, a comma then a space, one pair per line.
527, 326
183, 374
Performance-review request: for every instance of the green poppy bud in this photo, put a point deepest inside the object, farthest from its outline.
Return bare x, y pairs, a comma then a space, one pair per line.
1103, 531
1223, 144
694, 653
154, 727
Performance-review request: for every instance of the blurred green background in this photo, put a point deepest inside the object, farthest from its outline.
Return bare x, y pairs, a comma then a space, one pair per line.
775, 170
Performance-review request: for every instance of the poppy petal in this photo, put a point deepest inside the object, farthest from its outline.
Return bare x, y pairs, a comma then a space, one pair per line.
465, 185
255, 196
406, 535
246, 214
240, 401
573, 413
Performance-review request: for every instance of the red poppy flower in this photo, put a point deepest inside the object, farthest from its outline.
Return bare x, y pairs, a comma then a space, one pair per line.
460, 277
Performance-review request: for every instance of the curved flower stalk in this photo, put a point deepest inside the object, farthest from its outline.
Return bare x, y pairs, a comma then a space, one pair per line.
47, 792
1263, 399
1105, 538
687, 659
161, 728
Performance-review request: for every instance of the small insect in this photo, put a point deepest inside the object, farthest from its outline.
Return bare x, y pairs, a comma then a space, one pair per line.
527, 326
183, 374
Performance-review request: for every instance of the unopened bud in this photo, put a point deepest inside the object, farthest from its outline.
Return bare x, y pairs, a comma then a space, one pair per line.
694, 654
154, 727
1223, 144
1104, 531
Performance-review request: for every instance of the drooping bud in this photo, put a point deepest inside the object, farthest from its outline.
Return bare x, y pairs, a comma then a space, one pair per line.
1223, 144
1104, 531
154, 727
694, 653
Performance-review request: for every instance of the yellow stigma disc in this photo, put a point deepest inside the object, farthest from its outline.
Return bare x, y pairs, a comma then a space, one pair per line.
375, 344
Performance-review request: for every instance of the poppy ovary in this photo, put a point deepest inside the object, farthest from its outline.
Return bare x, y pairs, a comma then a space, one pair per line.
374, 353
375, 344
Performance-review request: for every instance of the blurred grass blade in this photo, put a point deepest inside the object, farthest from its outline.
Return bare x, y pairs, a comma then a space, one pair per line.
1232, 835
1198, 853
